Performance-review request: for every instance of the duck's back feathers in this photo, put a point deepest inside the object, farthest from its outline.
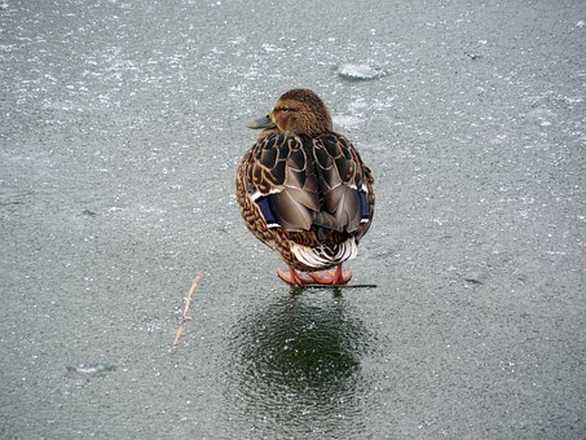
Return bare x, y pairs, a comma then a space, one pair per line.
302, 183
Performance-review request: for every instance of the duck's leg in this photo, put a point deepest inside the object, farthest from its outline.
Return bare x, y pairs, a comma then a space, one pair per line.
337, 277
295, 278
342, 277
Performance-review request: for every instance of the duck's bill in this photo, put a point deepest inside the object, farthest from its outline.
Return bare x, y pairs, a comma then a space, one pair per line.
264, 122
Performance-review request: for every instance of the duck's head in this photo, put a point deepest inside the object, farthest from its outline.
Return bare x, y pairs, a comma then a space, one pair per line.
299, 111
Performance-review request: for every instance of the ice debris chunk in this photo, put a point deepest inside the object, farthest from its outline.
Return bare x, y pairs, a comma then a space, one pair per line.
360, 72
91, 369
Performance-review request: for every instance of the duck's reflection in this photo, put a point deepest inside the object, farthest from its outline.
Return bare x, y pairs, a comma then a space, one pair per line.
297, 366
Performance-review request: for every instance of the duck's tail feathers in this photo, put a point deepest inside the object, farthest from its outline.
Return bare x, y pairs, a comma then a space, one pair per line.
325, 256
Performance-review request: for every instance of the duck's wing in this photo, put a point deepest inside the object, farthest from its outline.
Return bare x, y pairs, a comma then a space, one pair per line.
345, 184
280, 179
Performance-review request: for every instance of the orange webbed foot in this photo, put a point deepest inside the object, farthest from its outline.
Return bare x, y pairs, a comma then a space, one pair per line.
295, 278
337, 277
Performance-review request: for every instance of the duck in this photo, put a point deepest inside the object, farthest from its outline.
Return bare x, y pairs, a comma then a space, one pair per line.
304, 191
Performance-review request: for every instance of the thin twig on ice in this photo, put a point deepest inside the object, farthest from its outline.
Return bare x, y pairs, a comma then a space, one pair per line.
185, 312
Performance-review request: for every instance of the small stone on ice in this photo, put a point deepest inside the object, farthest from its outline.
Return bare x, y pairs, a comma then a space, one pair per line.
360, 71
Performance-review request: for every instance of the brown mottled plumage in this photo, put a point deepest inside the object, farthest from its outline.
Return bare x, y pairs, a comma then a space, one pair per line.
304, 190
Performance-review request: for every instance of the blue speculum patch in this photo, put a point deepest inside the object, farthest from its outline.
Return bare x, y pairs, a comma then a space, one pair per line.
266, 208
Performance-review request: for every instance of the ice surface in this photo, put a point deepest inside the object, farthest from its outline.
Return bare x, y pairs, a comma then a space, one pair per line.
122, 124
347, 121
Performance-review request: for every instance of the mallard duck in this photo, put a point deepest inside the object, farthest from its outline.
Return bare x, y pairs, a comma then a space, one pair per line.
304, 191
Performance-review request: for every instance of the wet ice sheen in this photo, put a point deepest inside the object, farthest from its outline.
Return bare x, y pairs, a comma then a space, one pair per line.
298, 358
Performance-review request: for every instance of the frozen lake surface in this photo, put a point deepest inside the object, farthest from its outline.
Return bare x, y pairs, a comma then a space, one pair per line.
121, 126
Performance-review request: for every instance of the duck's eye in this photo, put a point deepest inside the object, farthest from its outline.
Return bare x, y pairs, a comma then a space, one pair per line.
285, 109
